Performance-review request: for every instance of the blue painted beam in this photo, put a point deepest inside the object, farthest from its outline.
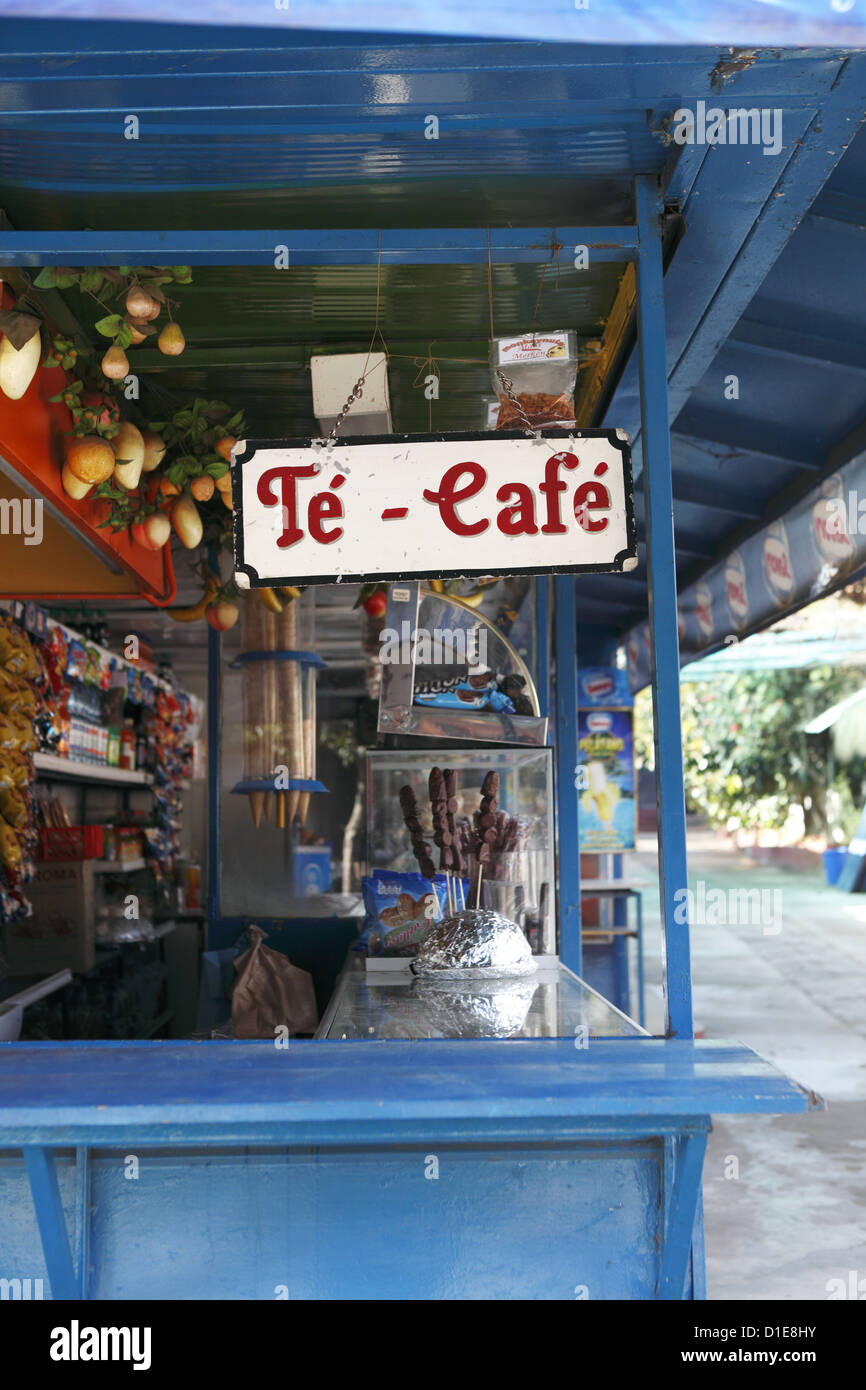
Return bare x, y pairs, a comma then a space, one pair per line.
620, 21
735, 430
375, 68
840, 205
61, 1094
662, 592
461, 246
703, 492
247, 121
732, 243
800, 346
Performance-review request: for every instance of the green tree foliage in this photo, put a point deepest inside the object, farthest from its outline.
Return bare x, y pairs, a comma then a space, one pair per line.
747, 760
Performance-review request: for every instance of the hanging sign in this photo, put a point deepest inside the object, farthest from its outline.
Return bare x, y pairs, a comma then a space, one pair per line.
416, 506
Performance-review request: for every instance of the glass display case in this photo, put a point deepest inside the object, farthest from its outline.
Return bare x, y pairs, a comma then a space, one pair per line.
460, 665
551, 1003
517, 877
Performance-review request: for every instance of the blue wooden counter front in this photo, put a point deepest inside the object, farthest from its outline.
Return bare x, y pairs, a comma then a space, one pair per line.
365, 1169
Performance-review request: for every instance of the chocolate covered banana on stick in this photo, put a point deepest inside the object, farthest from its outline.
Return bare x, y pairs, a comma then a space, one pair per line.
412, 819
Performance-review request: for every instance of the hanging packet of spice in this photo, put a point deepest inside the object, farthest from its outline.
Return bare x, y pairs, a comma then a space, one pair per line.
541, 368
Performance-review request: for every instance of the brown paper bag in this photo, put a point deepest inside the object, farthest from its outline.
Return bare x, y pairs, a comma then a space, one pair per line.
270, 992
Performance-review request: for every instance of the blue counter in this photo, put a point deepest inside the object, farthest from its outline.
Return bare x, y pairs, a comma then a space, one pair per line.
384, 1169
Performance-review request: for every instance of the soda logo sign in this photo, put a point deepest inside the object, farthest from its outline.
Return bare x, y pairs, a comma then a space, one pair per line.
829, 520
597, 687
599, 723
735, 587
777, 563
704, 609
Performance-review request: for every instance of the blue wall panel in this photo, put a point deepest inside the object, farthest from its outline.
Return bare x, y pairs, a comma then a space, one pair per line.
509, 1223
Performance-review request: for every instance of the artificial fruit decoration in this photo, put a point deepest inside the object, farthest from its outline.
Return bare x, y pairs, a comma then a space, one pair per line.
115, 363
376, 604
154, 450
129, 450
222, 615
141, 305
171, 341
88, 461
18, 365
196, 610
186, 521
153, 532
202, 488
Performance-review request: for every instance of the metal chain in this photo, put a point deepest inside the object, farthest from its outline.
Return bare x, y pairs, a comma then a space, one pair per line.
357, 393
508, 388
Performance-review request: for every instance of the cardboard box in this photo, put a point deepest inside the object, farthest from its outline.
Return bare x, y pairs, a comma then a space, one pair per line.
60, 934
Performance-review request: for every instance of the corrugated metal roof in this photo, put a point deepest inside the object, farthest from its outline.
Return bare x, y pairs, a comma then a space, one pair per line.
300, 129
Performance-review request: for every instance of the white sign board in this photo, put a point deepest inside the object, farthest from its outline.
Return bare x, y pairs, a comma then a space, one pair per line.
410, 506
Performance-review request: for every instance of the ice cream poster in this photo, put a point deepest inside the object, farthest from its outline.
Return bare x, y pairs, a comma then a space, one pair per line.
605, 780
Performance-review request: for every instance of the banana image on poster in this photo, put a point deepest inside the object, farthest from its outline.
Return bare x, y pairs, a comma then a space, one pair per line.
601, 794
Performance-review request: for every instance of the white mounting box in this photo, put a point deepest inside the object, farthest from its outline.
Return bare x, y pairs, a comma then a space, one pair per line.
334, 379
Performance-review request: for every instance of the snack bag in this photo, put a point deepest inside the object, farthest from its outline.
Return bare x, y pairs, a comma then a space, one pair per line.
400, 908
10, 848
541, 368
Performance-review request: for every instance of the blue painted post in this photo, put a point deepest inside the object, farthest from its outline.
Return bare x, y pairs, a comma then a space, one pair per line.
641, 987
82, 1245
688, 1164
214, 697
567, 794
51, 1221
542, 641
662, 584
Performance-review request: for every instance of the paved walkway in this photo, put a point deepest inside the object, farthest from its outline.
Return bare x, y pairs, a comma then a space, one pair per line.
795, 1216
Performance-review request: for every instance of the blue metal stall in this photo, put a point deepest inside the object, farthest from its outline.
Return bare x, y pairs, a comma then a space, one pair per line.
558, 1167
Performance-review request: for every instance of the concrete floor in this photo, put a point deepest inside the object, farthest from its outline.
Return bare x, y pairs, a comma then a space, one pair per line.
794, 1216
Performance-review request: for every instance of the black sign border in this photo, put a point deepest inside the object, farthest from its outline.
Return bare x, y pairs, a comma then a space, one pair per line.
614, 566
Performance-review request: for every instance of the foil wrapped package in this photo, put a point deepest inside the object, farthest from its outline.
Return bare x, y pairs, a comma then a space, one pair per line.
476, 942
472, 1007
